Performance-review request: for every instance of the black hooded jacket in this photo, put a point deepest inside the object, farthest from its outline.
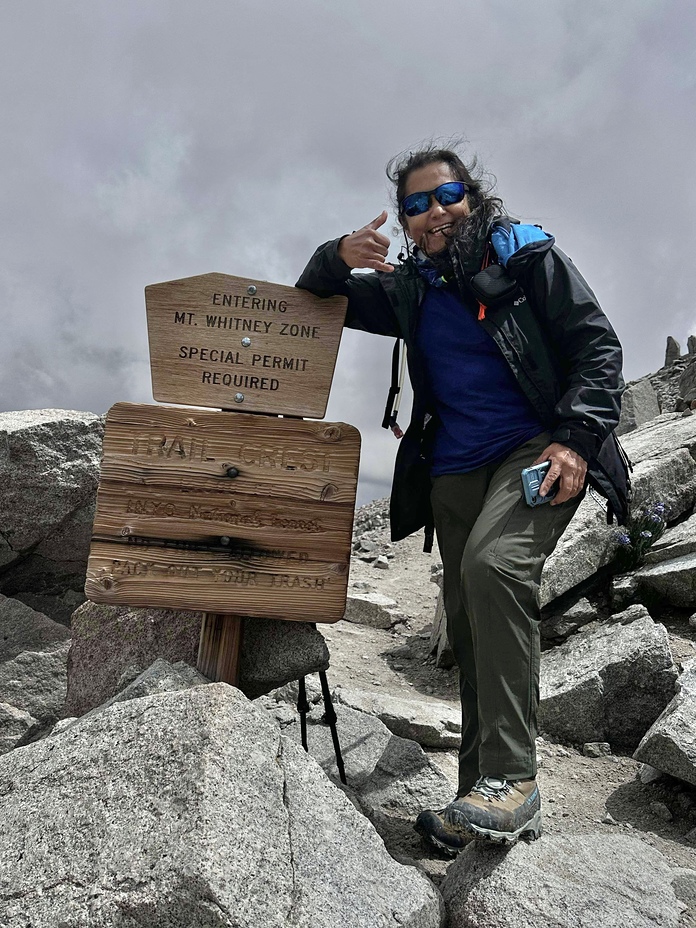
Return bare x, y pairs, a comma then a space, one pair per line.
559, 344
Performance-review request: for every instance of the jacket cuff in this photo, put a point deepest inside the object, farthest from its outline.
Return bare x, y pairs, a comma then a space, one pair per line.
578, 439
337, 266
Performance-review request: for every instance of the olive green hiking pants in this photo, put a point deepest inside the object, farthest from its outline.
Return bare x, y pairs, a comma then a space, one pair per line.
493, 547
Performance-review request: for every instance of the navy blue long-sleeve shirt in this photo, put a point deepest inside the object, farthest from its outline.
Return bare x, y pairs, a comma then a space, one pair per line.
482, 410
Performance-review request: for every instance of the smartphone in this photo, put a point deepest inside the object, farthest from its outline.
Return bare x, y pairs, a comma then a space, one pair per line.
532, 479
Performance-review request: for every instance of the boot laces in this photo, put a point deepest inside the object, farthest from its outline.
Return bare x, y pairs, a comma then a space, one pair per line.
492, 788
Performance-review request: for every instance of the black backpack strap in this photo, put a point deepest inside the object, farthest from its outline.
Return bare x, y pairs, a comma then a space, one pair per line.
390, 410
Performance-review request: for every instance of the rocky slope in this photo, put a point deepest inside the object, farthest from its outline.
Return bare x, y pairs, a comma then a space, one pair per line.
583, 794
158, 799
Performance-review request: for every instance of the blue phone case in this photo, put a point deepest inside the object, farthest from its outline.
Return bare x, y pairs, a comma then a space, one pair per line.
532, 479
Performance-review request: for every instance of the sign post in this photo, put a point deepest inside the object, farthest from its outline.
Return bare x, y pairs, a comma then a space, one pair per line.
220, 647
233, 514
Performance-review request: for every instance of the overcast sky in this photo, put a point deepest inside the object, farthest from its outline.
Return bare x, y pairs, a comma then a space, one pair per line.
147, 141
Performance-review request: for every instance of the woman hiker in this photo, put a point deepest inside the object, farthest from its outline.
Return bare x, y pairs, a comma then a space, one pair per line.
512, 363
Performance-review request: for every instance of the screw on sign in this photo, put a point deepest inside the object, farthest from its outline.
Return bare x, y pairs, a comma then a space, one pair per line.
233, 513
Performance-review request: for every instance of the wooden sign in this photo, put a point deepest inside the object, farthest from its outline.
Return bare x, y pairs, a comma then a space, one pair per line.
248, 345
242, 514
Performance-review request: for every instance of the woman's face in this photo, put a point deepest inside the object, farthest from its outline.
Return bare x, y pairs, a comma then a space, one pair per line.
430, 230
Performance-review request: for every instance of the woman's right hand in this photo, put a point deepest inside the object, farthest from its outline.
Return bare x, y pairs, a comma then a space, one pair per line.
367, 247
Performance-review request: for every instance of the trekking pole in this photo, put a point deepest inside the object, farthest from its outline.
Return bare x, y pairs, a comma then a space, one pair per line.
330, 717
303, 709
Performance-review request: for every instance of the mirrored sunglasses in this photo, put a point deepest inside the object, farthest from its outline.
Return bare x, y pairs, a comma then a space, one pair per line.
446, 194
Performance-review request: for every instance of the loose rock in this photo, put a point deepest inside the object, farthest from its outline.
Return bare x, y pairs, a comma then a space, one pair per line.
648, 774
291, 691
373, 516
15, 726
661, 811
275, 652
674, 581
35, 681
388, 775
166, 820
363, 739
623, 591
49, 468
372, 609
437, 573
677, 541
607, 685
403, 783
670, 744
112, 645
684, 883
639, 404
161, 677
630, 614
431, 724
596, 749
33, 659
561, 624
23, 629
563, 881
664, 470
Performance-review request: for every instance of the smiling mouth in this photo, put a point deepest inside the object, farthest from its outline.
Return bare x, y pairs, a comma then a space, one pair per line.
438, 230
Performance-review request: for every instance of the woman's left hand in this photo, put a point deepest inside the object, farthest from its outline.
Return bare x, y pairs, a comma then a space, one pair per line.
568, 467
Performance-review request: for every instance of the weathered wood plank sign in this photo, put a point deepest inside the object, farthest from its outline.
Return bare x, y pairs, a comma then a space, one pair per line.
229, 342
232, 514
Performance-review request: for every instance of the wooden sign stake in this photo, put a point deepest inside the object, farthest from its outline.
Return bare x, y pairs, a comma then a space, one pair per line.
220, 647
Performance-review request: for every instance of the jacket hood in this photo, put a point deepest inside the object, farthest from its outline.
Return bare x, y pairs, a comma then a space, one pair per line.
516, 243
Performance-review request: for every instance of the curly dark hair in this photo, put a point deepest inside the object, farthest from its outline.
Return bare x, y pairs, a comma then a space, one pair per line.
483, 204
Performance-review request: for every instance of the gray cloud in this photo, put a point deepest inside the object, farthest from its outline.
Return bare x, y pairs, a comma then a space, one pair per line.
146, 142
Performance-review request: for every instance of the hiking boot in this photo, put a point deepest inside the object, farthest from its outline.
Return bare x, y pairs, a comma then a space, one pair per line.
433, 827
499, 810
